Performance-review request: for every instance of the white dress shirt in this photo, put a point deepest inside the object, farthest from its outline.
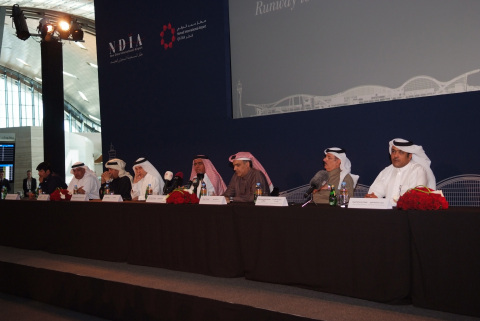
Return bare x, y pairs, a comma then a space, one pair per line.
208, 185
392, 182
89, 183
139, 188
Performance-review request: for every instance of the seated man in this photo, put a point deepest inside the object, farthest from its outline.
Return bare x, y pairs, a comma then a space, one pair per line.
410, 168
204, 170
145, 174
86, 181
248, 172
4, 183
119, 180
48, 180
338, 167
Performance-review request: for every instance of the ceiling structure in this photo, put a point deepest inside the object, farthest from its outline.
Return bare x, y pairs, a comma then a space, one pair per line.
79, 58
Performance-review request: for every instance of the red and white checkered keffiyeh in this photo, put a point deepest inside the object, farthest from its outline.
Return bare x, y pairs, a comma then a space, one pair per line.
213, 175
256, 164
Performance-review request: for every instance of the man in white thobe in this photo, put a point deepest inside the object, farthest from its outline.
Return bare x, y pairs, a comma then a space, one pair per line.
145, 174
410, 168
86, 181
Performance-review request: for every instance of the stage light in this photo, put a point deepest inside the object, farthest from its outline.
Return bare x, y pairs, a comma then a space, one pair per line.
20, 23
64, 25
60, 28
77, 32
46, 29
63, 28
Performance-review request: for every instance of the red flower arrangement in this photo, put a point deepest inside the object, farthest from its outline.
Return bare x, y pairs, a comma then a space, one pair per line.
60, 195
422, 198
180, 196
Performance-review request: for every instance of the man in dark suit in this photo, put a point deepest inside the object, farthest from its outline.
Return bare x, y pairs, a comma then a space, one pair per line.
4, 182
29, 184
49, 180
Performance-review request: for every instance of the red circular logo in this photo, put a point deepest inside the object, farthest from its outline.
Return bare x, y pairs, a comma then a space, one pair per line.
168, 36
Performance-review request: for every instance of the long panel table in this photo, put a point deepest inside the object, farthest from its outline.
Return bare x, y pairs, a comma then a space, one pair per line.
378, 255
446, 260
358, 253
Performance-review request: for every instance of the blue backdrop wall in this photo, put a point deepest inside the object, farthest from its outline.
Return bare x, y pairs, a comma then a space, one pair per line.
169, 99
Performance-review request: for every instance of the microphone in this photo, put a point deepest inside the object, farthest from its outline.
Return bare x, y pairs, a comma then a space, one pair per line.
168, 176
317, 181
189, 187
177, 180
195, 183
200, 176
168, 182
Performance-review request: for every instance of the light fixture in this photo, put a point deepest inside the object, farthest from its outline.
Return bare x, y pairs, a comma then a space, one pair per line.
93, 117
46, 29
56, 30
63, 28
77, 32
69, 75
23, 62
83, 96
20, 23
80, 45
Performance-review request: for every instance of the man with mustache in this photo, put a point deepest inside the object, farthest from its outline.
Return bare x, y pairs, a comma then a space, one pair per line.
410, 168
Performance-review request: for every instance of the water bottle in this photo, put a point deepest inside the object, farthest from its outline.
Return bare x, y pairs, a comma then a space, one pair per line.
148, 191
106, 190
203, 190
75, 189
332, 198
258, 192
343, 198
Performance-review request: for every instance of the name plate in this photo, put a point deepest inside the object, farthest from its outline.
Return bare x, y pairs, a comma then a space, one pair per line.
79, 198
112, 198
213, 200
13, 197
43, 197
271, 201
162, 199
372, 203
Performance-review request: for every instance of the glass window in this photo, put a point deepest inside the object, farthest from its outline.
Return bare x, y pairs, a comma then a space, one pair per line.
21, 105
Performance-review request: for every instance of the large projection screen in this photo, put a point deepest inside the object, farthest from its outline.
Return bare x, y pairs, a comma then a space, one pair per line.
299, 55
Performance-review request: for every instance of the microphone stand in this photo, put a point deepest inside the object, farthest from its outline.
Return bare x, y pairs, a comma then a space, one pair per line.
309, 201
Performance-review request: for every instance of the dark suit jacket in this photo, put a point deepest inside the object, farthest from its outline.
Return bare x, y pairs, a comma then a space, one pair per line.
4, 182
33, 187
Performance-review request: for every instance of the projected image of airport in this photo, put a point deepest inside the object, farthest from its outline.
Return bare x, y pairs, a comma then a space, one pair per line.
292, 56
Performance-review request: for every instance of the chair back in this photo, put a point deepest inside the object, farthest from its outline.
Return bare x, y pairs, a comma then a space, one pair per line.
461, 190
